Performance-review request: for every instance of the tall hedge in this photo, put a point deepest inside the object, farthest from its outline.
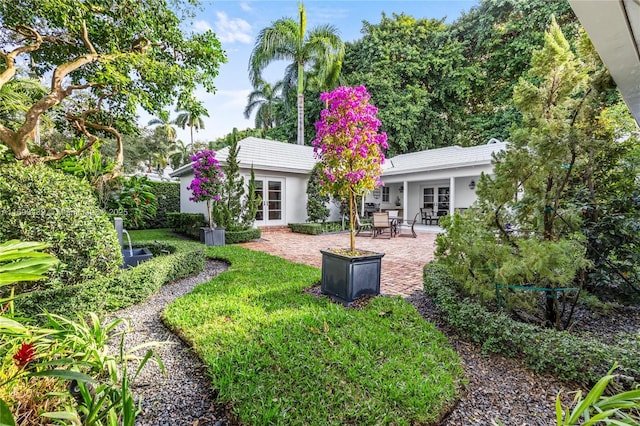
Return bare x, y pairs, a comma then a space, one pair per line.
168, 195
38, 203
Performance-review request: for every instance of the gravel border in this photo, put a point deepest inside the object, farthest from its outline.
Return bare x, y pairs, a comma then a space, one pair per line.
499, 388
184, 396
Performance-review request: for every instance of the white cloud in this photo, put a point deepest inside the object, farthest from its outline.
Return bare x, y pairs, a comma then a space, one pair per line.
201, 26
232, 30
245, 6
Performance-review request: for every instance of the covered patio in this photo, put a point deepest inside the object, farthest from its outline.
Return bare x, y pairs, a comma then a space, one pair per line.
401, 266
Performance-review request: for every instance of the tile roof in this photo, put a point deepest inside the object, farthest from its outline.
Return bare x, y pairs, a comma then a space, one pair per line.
267, 154
272, 155
442, 158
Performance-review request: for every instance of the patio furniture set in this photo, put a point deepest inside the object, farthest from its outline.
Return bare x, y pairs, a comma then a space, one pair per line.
387, 224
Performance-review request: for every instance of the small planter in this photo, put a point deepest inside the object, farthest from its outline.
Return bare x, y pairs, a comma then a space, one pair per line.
346, 278
212, 236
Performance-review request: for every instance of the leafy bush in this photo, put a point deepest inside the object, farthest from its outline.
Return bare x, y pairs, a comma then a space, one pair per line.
186, 223
235, 237
38, 203
306, 228
133, 201
544, 350
168, 196
130, 286
315, 228
38, 362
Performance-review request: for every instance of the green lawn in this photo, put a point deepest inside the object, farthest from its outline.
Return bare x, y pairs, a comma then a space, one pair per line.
278, 355
151, 235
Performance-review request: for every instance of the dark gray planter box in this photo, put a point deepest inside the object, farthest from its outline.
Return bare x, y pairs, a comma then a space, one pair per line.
346, 278
212, 236
135, 256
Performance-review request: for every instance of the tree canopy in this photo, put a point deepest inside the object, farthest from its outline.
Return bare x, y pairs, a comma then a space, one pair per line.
117, 56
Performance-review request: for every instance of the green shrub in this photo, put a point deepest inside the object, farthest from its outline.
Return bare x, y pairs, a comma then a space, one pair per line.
126, 288
134, 201
306, 228
315, 228
235, 237
186, 223
38, 203
569, 356
168, 196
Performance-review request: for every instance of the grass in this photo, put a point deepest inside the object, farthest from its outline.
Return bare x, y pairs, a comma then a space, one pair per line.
278, 355
163, 234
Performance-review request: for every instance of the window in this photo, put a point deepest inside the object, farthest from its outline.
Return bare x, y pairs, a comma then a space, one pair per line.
385, 194
427, 198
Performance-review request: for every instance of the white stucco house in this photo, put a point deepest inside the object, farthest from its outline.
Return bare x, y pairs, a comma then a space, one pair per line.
441, 179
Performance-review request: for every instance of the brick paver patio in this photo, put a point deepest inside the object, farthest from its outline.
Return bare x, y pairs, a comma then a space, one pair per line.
401, 265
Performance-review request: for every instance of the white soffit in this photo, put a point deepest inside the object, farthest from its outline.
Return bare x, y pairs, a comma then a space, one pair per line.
614, 29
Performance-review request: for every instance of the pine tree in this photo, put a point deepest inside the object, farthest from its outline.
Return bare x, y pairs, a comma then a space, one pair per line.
317, 209
252, 202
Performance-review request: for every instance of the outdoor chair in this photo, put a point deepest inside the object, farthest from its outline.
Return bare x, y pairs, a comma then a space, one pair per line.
405, 229
427, 216
363, 227
381, 225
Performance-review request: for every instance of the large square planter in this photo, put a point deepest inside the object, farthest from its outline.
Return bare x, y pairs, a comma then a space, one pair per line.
212, 236
346, 278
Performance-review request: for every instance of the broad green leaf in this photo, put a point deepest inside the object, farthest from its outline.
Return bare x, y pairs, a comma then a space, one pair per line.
6, 418
64, 374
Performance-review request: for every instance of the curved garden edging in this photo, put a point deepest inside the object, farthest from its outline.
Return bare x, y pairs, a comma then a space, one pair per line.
543, 350
172, 260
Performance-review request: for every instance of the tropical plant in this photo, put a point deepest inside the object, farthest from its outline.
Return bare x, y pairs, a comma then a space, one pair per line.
190, 115
207, 181
74, 351
166, 123
288, 40
349, 147
118, 58
596, 408
134, 201
264, 100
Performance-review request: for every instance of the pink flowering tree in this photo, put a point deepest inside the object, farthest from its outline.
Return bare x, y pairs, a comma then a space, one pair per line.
207, 180
349, 147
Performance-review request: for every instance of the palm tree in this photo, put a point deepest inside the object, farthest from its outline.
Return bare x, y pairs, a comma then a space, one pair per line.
287, 39
265, 99
191, 114
167, 124
179, 155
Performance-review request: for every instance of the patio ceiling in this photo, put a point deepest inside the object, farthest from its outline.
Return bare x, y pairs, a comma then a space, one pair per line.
614, 29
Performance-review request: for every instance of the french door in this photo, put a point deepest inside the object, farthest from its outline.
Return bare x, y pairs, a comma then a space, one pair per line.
436, 199
271, 210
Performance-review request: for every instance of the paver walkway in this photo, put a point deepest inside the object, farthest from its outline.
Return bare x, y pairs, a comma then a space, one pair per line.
401, 265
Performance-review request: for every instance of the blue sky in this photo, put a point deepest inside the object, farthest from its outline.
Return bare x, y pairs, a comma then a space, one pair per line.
237, 23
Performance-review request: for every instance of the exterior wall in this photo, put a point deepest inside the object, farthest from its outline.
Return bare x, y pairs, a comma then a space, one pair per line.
414, 183
186, 205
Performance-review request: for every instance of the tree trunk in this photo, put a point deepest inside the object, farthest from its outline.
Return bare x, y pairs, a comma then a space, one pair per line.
300, 119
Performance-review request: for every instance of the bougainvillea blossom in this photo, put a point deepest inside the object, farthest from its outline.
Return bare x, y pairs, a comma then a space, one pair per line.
349, 146
207, 179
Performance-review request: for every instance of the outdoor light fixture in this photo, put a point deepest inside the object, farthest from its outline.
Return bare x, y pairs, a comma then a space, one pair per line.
401, 188
472, 185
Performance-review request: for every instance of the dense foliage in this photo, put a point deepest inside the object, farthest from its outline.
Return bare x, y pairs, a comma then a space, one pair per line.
110, 59
132, 199
42, 204
317, 210
168, 196
527, 227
